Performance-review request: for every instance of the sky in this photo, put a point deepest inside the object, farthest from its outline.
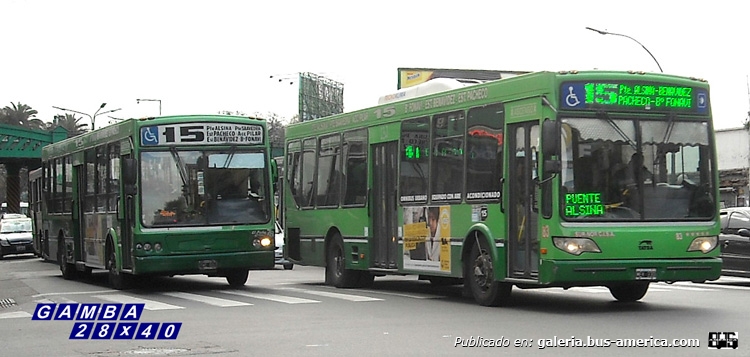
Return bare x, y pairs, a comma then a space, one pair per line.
202, 57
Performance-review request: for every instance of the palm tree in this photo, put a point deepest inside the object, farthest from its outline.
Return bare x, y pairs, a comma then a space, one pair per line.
21, 115
70, 123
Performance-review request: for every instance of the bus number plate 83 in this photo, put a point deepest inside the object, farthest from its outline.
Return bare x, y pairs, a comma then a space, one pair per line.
645, 274
207, 265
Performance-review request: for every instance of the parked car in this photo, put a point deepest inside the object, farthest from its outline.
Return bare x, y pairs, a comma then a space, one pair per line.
734, 241
16, 235
279, 239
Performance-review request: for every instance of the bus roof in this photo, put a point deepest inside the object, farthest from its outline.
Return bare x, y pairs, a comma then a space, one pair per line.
432, 86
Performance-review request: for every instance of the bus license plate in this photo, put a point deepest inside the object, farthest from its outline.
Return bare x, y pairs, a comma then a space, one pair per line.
207, 265
645, 274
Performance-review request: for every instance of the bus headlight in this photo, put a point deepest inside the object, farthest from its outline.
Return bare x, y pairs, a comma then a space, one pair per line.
576, 246
262, 242
704, 244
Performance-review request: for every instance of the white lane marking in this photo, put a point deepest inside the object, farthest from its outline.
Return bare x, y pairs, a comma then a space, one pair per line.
150, 304
207, 299
348, 297
271, 297
14, 315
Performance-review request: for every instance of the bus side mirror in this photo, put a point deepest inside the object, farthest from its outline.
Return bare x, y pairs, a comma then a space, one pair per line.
130, 175
551, 146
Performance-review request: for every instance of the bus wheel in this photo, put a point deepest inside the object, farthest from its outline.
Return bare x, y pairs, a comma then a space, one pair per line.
237, 278
117, 280
629, 292
67, 270
336, 272
480, 276
288, 266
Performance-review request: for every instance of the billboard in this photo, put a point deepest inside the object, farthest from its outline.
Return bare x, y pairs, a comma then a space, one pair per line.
319, 96
408, 77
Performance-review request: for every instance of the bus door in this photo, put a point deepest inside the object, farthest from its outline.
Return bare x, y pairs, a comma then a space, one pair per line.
79, 210
383, 205
127, 221
523, 241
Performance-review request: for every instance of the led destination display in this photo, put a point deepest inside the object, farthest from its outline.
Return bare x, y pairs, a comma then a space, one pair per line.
631, 96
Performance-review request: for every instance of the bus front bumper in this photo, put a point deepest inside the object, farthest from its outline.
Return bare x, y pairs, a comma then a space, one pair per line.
564, 272
210, 264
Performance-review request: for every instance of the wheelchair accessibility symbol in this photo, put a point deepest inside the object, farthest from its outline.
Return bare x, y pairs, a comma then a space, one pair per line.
571, 95
149, 136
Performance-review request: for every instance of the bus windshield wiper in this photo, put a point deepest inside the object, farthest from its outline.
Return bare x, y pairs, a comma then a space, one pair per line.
670, 126
180, 166
601, 114
232, 150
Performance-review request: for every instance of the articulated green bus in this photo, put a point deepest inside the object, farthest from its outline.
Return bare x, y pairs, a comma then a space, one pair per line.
161, 196
541, 180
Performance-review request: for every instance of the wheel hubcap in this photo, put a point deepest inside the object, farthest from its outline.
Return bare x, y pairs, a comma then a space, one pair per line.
483, 271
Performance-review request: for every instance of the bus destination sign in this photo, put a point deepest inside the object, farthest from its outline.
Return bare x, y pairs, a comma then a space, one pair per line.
633, 96
201, 134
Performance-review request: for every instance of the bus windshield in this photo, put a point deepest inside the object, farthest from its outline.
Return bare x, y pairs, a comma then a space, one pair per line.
636, 169
192, 187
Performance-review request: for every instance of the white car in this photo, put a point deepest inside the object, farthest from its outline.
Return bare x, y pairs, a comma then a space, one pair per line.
16, 236
279, 239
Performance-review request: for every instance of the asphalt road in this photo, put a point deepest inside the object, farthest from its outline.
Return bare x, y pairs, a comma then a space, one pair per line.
291, 312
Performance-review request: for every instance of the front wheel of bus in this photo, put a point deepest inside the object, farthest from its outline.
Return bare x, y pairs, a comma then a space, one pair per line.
67, 270
480, 276
336, 272
117, 279
629, 292
237, 278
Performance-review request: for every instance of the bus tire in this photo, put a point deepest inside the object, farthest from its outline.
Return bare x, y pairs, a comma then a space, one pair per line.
237, 278
336, 272
68, 271
629, 292
480, 276
117, 280
288, 266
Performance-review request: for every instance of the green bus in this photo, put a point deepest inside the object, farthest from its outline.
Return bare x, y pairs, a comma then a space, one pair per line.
548, 179
171, 195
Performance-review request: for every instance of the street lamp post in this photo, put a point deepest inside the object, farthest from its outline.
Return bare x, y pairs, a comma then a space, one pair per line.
636, 41
92, 117
138, 101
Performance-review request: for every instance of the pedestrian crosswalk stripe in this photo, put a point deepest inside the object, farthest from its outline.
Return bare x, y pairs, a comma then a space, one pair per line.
348, 297
207, 299
682, 287
407, 295
150, 304
271, 297
56, 300
14, 315
715, 286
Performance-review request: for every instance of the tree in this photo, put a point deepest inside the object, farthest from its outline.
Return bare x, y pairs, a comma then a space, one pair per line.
21, 115
70, 123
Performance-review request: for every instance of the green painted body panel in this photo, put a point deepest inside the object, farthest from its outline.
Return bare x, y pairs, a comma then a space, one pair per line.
183, 247
525, 96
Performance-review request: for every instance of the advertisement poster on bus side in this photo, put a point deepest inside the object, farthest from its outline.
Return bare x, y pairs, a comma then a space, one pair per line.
427, 238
